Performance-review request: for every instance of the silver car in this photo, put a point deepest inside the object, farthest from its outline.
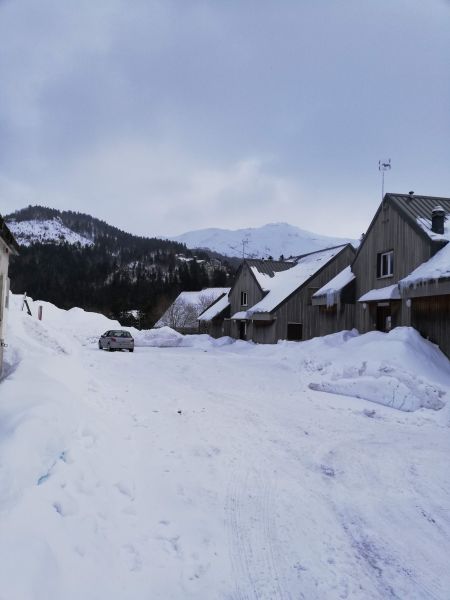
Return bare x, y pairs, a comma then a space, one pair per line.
116, 339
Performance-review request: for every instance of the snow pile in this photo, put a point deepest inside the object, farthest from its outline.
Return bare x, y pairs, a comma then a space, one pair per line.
398, 369
437, 267
84, 326
284, 283
161, 337
45, 232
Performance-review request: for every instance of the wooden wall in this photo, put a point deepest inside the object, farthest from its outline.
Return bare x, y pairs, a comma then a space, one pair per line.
244, 283
431, 318
389, 231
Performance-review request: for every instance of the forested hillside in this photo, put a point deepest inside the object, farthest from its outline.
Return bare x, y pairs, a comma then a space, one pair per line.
115, 273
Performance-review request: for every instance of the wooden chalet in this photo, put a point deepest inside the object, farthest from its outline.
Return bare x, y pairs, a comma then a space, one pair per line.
401, 272
8, 246
272, 300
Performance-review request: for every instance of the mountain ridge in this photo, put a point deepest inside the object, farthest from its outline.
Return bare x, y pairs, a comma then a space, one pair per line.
270, 240
73, 259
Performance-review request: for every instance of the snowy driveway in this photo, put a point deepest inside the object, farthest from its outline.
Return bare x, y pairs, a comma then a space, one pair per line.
213, 473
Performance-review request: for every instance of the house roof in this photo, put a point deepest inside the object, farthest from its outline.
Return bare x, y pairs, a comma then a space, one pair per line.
7, 237
417, 210
435, 269
264, 270
216, 308
269, 267
284, 283
390, 292
260, 268
197, 301
333, 288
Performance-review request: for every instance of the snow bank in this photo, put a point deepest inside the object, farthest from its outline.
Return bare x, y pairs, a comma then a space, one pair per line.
398, 369
78, 325
84, 326
162, 337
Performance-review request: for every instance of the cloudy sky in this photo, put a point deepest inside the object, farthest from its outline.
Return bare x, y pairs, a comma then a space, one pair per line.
162, 116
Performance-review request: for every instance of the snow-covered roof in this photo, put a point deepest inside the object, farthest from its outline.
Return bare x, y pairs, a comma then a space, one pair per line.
197, 301
243, 314
390, 292
425, 224
194, 298
215, 309
264, 270
283, 284
333, 288
437, 267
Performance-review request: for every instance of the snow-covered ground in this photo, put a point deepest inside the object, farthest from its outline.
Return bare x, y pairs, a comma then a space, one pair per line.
211, 469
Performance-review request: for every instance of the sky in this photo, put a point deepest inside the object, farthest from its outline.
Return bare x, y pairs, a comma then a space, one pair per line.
164, 116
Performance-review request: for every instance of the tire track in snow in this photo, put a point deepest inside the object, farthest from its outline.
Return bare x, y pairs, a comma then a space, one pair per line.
252, 532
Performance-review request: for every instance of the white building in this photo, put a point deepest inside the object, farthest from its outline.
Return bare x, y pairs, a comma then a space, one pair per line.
8, 246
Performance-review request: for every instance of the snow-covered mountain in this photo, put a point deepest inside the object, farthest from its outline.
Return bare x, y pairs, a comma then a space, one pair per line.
46, 231
274, 239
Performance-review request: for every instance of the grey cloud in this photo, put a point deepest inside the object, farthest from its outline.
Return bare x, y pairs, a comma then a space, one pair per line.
115, 102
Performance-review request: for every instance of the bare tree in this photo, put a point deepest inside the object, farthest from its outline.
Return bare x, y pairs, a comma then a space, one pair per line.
183, 315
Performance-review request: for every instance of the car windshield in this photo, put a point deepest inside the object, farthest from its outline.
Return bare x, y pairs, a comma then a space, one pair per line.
123, 334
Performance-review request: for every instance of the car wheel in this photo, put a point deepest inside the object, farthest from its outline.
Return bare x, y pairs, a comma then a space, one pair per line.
110, 349
131, 349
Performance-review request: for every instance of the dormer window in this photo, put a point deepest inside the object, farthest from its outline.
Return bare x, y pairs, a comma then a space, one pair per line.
244, 299
385, 264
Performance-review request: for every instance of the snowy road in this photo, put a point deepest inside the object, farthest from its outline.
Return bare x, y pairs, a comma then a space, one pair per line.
213, 473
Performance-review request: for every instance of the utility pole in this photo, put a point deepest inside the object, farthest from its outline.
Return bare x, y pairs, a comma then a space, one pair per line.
244, 243
383, 166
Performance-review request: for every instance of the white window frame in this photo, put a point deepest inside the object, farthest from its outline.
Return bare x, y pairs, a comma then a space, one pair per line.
244, 299
390, 264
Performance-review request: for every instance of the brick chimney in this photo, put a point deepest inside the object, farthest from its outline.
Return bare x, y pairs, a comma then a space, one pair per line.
437, 219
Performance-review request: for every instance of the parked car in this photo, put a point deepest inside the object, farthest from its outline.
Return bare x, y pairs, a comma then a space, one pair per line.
116, 339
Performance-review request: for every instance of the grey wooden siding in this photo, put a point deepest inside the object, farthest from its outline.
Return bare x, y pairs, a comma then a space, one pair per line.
244, 283
431, 318
389, 231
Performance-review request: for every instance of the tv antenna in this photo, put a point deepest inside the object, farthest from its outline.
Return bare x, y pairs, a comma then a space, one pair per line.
245, 243
383, 166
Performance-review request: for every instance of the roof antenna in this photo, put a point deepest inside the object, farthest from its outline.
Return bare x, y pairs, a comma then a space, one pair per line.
245, 243
383, 166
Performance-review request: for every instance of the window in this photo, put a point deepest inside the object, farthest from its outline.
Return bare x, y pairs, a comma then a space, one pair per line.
294, 332
244, 299
385, 264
